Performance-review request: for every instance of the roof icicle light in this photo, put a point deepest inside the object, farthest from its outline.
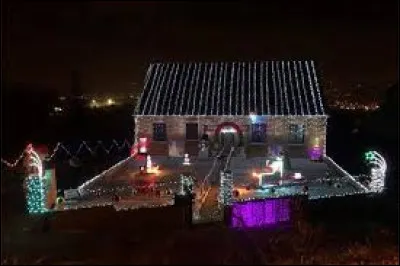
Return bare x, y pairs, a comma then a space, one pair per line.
298, 87
213, 89
167, 89
151, 89
227, 89
303, 88
285, 88
196, 88
173, 89
291, 88
311, 88
179, 91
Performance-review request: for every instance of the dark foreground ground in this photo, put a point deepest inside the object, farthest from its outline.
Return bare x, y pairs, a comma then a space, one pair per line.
363, 231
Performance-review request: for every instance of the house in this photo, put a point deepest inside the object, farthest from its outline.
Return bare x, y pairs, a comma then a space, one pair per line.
251, 105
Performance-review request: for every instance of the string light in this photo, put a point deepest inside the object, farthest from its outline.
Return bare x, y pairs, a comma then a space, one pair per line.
226, 188
35, 195
311, 87
179, 91
329, 159
255, 87
304, 87
274, 86
285, 88
196, 88
213, 89
298, 87
151, 89
237, 92
167, 89
208, 89
243, 90
69, 153
173, 89
378, 171
291, 88
183, 98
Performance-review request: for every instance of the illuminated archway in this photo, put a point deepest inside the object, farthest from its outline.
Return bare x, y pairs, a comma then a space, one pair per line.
232, 125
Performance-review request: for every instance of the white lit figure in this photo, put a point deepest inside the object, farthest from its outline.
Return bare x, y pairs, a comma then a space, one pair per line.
143, 145
276, 166
297, 176
149, 166
186, 160
378, 172
148, 162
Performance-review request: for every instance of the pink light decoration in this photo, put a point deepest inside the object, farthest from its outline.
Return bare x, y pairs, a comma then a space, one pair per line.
142, 145
257, 214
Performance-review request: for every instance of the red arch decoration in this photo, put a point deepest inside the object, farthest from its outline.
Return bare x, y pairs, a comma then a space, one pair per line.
227, 124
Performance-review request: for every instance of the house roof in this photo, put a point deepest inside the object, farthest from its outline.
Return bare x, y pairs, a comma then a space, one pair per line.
236, 88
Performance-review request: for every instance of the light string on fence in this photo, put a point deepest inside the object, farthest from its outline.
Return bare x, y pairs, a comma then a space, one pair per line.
83, 145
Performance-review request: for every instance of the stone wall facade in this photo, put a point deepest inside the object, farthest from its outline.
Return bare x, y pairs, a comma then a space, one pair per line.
277, 129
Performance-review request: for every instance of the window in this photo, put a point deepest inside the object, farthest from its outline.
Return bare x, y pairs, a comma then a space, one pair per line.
258, 132
159, 132
192, 131
296, 134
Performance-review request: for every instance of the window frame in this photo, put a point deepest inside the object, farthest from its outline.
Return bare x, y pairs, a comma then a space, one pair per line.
265, 133
165, 135
295, 140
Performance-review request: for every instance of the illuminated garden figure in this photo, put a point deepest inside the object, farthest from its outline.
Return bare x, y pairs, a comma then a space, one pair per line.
35, 183
378, 171
186, 160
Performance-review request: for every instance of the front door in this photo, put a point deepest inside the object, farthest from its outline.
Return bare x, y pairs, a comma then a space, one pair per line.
228, 138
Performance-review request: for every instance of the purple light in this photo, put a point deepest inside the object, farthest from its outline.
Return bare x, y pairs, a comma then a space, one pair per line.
315, 153
255, 214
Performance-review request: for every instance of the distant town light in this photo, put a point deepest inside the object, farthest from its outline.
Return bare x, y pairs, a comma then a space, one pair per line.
110, 101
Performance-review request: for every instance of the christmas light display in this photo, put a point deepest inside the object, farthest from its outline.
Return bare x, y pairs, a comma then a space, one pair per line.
186, 185
378, 171
36, 195
271, 169
196, 88
184, 88
258, 214
214, 87
226, 188
255, 86
186, 160
329, 160
142, 145
285, 90
150, 168
219, 84
291, 89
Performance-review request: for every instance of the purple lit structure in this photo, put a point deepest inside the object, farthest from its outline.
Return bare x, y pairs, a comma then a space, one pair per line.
255, 214
315, 153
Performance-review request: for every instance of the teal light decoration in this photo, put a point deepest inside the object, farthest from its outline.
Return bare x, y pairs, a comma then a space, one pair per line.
36, 195
369, 156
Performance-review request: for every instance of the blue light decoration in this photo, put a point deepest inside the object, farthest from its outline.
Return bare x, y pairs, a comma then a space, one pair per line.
258, 214
36, 183
253, 118
36, 195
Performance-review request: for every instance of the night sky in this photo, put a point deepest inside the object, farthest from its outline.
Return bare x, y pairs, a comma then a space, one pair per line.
111, 44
